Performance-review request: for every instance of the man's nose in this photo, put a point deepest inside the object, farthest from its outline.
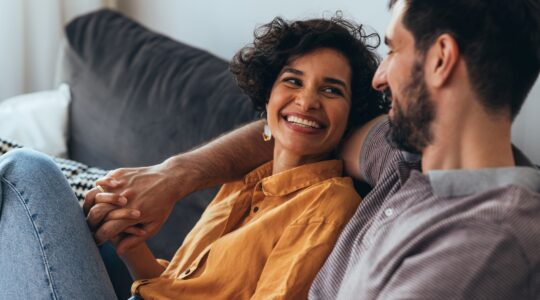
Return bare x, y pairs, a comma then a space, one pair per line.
379, 81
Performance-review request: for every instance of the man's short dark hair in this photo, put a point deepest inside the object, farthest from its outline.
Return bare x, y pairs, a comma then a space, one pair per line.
499, 40
257, 65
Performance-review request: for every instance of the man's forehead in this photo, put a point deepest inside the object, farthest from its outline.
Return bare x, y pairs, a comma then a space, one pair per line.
396, 19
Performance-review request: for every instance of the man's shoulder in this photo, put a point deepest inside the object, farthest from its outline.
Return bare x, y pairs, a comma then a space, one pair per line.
507, 207
497, 217
510, 212
520, 217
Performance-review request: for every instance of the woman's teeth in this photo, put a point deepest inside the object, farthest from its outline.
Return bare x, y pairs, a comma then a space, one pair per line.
302, 122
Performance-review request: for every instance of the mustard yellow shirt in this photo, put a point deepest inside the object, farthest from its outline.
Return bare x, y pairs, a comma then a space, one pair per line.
263, 237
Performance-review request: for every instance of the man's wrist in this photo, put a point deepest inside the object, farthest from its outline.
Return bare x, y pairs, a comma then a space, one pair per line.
182, 169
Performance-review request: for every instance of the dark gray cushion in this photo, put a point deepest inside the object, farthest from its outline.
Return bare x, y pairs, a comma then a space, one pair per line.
139, 97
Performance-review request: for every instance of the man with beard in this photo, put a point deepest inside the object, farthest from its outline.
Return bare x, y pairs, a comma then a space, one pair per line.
462, 221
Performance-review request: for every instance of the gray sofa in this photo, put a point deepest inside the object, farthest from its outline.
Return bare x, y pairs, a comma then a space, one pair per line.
139, 97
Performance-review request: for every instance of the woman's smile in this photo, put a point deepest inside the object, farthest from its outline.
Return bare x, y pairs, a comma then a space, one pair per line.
309, 105
303, 124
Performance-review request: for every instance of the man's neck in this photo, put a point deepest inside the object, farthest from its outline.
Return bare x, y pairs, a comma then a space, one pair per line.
469, 140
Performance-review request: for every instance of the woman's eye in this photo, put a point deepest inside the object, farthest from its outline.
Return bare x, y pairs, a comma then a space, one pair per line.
334, 91
293, 81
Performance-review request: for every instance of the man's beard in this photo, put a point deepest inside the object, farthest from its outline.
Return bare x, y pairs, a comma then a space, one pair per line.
410, 130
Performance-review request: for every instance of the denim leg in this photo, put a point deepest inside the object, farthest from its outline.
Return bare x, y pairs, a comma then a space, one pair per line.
46, 249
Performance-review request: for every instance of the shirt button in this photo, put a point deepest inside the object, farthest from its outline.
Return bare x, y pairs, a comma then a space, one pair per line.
255, 209
389, 212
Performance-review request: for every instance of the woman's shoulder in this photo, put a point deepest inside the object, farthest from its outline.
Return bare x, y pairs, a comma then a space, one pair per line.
334, 200
338, 184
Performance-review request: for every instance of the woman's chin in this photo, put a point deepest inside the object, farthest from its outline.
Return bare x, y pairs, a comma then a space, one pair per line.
305, 153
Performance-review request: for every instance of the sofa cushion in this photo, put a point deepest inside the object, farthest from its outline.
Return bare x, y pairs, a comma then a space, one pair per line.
139, 97
81, 178
38, 120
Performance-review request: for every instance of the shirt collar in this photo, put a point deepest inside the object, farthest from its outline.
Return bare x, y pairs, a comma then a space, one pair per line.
461, 183
294, 179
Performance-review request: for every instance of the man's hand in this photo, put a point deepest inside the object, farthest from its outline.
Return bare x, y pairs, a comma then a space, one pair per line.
152, 191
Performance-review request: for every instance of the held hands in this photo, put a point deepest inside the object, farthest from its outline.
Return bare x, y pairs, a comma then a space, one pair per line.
135, 204
109, 206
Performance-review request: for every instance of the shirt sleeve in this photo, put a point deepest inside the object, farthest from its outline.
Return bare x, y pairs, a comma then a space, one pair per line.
295, 260
377, 155
464, 264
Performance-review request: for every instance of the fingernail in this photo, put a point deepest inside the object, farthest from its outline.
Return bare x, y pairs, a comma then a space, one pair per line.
135, 213
123, 200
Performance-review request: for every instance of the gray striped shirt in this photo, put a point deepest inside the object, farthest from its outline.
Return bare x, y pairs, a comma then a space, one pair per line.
442, 235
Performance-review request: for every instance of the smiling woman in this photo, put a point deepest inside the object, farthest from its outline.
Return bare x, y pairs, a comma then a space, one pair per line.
308, 108
277, 43
312, 80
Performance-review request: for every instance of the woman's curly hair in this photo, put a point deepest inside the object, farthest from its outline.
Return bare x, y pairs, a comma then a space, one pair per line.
257, 65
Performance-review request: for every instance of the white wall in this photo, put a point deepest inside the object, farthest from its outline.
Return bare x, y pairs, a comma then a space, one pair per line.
30, 35
223, 27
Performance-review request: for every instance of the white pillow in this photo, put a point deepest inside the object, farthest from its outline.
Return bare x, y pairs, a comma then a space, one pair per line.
37, 120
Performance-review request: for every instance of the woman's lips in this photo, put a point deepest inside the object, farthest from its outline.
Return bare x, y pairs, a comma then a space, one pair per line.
303, 125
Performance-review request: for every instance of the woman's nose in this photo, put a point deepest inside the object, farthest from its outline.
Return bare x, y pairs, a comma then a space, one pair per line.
307, 100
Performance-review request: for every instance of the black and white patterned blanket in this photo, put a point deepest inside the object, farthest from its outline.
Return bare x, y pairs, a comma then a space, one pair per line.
81, 177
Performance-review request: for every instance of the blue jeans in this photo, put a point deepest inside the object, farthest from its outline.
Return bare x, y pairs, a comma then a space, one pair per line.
46, 249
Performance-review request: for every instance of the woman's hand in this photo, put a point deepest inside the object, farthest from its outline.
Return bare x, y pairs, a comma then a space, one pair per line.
106, 207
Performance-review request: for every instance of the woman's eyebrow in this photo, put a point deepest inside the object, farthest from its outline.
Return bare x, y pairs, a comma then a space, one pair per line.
335, 81
292, 70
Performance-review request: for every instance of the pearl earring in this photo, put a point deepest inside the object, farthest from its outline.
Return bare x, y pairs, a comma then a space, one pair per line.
267, 134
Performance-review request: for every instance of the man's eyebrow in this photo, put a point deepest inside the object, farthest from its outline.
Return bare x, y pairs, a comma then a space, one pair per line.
335, 81
291, 70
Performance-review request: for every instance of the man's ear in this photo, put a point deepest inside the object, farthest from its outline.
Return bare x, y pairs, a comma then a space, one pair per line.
441, 60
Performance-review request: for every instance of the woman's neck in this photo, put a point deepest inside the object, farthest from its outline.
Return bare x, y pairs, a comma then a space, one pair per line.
285, 159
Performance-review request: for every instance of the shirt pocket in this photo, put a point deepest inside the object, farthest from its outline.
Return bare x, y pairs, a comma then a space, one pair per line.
195, 265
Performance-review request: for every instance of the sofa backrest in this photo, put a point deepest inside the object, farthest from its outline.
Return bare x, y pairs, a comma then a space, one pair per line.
140, 97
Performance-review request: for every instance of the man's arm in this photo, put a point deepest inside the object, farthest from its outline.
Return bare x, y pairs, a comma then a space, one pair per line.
352, 148
154, 190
